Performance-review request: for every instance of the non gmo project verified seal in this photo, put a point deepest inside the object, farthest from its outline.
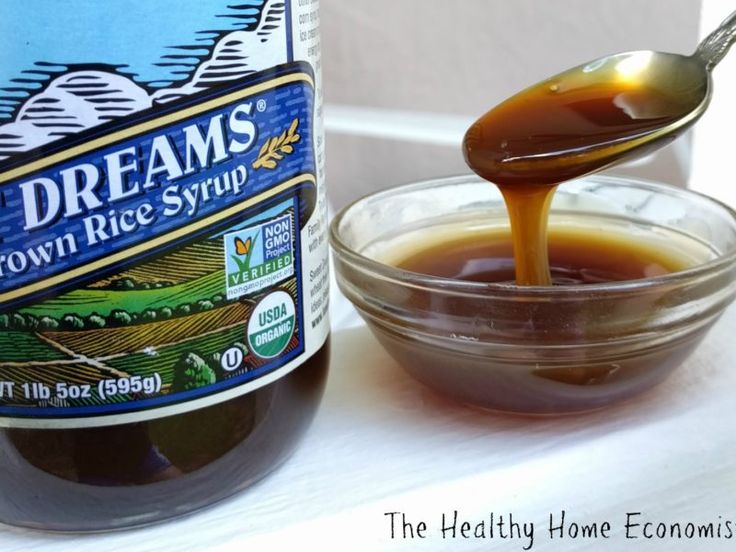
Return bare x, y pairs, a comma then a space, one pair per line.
259, 256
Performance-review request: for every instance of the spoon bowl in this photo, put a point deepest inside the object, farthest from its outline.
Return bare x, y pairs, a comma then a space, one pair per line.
595, 115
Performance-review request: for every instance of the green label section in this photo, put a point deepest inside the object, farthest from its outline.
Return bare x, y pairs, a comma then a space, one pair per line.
266, 269
271, 341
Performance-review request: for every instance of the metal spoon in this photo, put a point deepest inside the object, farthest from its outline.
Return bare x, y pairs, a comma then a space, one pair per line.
548, 133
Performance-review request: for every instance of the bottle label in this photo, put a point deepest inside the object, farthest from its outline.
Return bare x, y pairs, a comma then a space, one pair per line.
162, 240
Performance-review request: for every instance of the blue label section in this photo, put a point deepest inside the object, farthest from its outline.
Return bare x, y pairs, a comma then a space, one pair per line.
148, 185
134, 255
277, 238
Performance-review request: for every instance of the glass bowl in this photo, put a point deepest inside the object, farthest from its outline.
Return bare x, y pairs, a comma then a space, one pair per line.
537, 350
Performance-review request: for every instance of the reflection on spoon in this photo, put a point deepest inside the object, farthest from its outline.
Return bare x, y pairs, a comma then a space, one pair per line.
581, 121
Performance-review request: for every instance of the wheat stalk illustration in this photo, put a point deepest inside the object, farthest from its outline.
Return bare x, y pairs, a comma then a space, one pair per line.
275, 148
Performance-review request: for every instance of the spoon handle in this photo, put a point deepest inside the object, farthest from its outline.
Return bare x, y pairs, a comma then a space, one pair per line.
715, 46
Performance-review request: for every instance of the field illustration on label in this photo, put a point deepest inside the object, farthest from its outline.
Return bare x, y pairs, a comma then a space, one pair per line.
162, 327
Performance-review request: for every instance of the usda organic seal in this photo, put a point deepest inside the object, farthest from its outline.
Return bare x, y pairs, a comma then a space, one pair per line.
271, 325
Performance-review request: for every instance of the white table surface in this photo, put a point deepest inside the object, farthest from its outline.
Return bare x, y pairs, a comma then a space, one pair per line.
382, 443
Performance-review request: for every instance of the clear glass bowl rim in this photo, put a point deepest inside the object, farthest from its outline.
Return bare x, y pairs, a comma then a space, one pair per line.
452, 286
